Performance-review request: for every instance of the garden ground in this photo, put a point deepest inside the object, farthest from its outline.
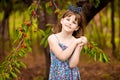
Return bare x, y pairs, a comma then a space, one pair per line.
89, 69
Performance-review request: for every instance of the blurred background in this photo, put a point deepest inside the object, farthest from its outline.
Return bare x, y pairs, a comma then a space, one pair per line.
26, 24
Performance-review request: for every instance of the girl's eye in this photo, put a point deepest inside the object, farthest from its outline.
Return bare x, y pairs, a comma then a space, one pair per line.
68, 19
74, 22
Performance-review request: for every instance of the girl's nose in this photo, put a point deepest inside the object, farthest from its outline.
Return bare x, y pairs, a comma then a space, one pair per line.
70, 22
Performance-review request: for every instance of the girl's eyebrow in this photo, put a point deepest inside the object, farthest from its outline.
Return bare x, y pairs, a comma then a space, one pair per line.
67, 17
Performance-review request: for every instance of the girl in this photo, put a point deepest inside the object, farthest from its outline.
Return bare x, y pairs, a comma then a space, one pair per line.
65, 46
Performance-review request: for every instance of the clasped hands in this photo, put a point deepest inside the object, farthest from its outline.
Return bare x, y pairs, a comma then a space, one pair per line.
82, 41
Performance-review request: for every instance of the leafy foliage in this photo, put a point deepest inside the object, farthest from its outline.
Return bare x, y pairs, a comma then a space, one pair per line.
48, 7
98, 55
44, 35
12, 64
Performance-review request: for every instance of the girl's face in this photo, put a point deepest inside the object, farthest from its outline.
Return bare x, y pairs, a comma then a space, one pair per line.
69, 23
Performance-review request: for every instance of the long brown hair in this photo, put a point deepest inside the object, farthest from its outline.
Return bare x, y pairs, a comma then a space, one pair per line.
79, 18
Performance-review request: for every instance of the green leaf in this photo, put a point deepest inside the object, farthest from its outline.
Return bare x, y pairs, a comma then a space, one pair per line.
22, 53
4, 63
100, 57
17, 36
105, 57
49, 9
93, 43
42, 42
16, 33
92, 52
17, 70
57, 11
17, 64
20, 36
41, 32
48, 30
29, 49
95, 57
28, 42
25, 28
22, 64
46, 43
7, 76
13, 74
47, 4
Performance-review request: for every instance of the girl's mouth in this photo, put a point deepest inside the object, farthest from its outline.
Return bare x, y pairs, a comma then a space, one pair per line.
68, 26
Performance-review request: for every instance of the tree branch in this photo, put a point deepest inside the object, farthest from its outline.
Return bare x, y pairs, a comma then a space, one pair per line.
89, 9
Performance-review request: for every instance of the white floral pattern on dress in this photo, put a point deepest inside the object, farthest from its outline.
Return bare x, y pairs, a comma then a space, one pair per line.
60, 70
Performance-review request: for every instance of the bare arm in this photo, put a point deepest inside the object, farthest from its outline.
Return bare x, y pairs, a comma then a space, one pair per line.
74, 60
62, 55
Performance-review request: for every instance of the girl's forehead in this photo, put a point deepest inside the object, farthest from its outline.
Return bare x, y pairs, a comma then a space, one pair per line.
73, 17
69, 15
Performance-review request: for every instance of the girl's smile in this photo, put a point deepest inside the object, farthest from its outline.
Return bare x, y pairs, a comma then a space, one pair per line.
69, 23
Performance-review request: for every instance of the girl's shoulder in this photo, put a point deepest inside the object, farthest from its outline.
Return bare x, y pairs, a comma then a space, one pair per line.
52, 37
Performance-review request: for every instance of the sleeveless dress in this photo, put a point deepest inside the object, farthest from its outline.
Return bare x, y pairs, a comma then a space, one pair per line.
60, 70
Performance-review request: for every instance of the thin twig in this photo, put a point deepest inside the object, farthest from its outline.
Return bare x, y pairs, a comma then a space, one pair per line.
53, 1
16, 49
37, 5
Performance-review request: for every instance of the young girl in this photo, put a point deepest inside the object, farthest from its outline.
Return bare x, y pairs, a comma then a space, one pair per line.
65, 46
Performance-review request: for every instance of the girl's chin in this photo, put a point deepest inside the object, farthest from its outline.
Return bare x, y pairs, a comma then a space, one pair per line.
68, 28
69, 31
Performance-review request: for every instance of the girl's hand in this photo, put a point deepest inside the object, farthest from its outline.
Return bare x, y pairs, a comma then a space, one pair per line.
84, 40
79, 41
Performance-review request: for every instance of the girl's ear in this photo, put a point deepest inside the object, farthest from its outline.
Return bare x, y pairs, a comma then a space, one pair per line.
61, 21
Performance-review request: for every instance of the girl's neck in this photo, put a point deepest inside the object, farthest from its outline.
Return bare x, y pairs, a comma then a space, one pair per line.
65, 38
65, 35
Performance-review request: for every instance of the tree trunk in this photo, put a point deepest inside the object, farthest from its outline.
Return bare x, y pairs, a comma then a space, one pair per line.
5, 29
113, 29
43, 19
42, 25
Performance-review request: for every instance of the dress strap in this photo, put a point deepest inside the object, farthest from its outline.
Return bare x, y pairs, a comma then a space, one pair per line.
57, 38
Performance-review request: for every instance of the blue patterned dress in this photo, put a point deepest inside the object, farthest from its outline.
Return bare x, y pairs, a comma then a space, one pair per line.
60, 70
